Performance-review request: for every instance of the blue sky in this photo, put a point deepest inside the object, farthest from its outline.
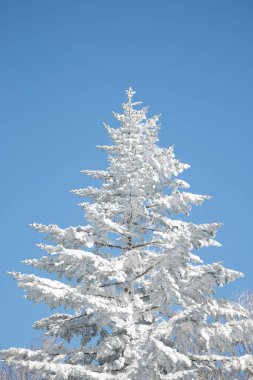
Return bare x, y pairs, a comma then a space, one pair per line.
64, 67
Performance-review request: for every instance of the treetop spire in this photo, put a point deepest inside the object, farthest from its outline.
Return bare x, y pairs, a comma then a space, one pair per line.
130, 93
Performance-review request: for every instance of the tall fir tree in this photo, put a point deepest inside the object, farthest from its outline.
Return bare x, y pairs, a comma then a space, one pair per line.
140, 301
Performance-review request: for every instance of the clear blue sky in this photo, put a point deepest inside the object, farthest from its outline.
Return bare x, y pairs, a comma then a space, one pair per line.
64, 67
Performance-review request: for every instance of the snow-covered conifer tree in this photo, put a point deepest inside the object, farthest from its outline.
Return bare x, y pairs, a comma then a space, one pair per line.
138, 296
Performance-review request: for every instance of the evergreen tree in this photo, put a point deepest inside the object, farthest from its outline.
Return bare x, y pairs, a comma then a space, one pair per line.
141, 302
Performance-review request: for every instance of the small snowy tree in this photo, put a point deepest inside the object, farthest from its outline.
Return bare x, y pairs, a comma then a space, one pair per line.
141, 302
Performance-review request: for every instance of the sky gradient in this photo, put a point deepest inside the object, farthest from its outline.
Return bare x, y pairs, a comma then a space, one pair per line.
65, 66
